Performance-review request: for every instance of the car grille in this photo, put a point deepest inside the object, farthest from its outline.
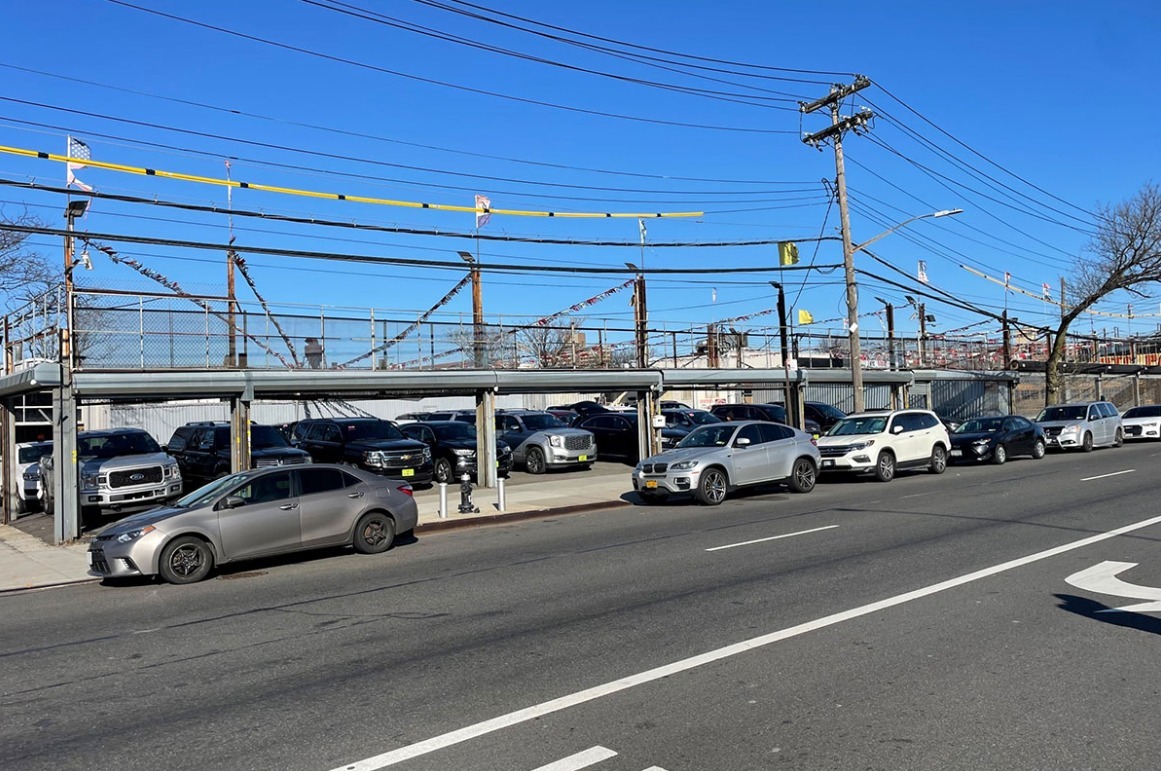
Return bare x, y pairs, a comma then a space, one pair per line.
134, 477
655, 468
100, 564
833, 451
1132, 430
577, 442
286, 461
1052, 431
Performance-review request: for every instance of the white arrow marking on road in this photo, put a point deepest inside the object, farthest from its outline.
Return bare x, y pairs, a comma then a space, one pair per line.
580, 760
1102, 579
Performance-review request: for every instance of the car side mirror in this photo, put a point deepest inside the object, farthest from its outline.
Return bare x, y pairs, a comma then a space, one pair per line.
741, 441
233, 502
897, 429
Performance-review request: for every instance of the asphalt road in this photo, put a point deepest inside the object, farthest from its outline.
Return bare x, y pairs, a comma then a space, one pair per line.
923, 624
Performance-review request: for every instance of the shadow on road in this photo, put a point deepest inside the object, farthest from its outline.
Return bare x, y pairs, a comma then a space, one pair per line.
1082, 606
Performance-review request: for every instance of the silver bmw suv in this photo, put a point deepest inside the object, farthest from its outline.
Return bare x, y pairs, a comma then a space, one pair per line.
713, 459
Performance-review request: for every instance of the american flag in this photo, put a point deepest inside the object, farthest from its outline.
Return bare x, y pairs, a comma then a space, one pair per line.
923, 271
483, 204
76, 149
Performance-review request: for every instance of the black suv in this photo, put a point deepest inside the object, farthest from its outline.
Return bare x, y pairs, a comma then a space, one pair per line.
453, 448
369, 443
204, 453
772, 413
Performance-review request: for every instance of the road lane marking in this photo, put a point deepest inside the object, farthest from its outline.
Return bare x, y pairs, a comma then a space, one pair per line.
771, 538
1102, 579
589, 757
561, 703
1114, 474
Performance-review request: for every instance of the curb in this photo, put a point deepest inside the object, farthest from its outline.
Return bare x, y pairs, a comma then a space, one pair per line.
53, 585
501, 518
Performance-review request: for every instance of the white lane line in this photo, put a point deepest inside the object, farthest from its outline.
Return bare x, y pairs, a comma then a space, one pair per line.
631, 681
1114, 474
584, 759
771, 538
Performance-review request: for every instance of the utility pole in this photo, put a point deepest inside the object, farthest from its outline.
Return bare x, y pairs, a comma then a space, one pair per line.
231, 296
477, 310
791, 397
639, 317
1007, 340
922, 334
834, 133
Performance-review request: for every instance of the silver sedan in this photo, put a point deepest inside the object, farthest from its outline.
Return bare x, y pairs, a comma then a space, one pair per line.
256, 514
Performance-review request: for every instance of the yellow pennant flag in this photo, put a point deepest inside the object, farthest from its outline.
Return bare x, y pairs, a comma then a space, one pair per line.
804, 317
787, 253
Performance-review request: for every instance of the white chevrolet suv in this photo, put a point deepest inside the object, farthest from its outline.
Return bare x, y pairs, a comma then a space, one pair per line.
881, 443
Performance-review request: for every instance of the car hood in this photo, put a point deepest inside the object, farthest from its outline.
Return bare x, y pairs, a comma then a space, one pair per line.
388, 444
137, 521
845, 439
278, 452
684, 453
1060, 423
92, 465
1139, 421
969, 438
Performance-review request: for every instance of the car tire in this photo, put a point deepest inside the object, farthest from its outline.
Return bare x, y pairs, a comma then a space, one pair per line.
938, 463
803, 476
534, 461
186, 560
885, 466
443, 471
374, 533
712, 487
1039, 450
49, 504
999, 455
1086, 443
1119, 439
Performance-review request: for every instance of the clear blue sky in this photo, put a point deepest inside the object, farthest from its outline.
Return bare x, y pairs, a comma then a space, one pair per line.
1026, 115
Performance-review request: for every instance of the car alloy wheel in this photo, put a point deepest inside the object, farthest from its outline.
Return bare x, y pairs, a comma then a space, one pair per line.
1120, 438
711, 490
374, 533
1086, 443
999, 455
885, 467
938, 459
442, 471
534, 462
803, 476
185, 560
1039, 450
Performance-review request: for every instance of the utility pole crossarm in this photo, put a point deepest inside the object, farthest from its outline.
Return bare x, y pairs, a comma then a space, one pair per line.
850, 123
838, 92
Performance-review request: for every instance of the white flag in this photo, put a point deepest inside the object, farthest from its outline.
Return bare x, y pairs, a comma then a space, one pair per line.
76, 149
644, 232
483, 204
923, 271
1007, 279
1047, 291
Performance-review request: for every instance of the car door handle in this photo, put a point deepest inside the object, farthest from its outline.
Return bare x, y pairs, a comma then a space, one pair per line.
354, 495
288, 506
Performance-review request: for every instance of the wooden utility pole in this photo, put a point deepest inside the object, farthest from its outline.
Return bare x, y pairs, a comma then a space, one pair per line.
834, 133
1007, 340
891, 336
922, 334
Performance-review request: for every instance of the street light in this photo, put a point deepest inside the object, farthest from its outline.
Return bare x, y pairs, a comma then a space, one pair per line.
853, 297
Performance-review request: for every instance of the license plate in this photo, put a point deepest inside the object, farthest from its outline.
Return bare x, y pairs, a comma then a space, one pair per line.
827, 463
582, 458
956, 453
408, 472
650, 484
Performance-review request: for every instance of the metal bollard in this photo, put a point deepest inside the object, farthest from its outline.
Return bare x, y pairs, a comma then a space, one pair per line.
500, 502
443, 500
466, 506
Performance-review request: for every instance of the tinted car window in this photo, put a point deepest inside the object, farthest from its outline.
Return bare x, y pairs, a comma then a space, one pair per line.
773, 432
1062, 412
773, 412
749, 432
264, 489
331, 433
320, 480
927, 421
1110, 410
508, 424
1151, 411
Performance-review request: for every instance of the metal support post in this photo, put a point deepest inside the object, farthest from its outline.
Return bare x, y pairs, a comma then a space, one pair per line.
501, 499
443, 500
239, 434
486, 458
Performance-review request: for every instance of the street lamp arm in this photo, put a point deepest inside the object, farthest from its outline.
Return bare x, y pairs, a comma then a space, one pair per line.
905, 223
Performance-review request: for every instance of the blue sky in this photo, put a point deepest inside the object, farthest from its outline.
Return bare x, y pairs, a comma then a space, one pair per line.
1026, 115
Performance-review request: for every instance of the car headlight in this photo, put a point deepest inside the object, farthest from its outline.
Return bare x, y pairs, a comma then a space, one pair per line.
464, 452
89, 480
1070, 429
862, 445
173, 472
133, 535
683, 465
427, 453
556, 441
374, 458
980, 442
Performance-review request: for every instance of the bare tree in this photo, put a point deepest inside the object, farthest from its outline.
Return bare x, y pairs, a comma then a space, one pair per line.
24, 272
547, 346
1124, 254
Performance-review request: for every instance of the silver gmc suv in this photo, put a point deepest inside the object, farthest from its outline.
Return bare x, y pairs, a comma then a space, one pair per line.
118, 469
542, 441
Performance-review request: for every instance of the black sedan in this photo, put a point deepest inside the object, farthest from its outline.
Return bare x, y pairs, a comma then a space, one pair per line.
616, 434
997, 439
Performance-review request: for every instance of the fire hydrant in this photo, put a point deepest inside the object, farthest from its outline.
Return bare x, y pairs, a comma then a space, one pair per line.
466, 506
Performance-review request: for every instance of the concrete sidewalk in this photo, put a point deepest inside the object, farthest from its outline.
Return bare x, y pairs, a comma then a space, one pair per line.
28, 562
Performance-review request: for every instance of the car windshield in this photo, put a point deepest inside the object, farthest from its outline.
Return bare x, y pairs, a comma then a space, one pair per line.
370, 429
702, 418
33, 454
718, 435
541, 422
863, 425
1063, 412
980, 426
451, 431
116, 445
262, 437
1151, 411
203, 495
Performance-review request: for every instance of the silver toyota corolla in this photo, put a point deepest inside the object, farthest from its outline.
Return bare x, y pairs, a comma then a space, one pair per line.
255, 514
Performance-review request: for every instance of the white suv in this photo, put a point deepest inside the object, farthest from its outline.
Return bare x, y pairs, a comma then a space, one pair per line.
881, 443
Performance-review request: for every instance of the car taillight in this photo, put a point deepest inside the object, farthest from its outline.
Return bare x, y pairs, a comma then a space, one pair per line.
406, 490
